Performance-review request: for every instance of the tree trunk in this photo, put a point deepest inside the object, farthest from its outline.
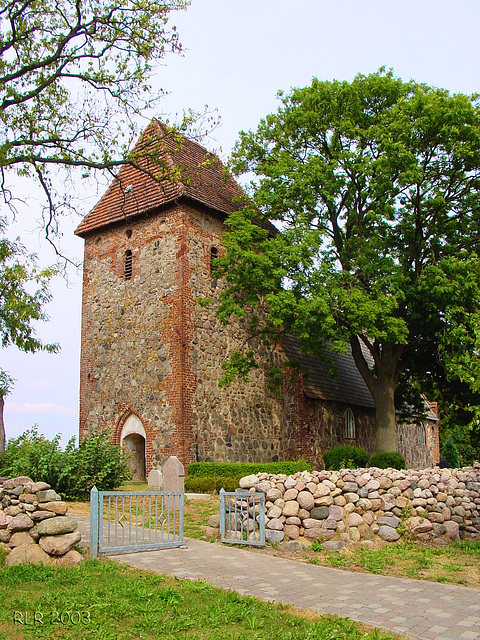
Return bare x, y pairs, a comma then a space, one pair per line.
386, 433
2, 424
381, 382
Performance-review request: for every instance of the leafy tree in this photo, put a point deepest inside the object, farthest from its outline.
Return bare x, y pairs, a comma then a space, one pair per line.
20, 308
375, 187
73, 76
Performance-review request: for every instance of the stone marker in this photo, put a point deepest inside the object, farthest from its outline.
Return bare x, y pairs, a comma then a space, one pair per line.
173, 475
155, 480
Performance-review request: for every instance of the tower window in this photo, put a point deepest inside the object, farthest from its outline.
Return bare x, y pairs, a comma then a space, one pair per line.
349, 424
420, 433
128, 264
213, 257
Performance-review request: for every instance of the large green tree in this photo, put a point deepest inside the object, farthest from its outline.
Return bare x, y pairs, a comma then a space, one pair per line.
374, 186
74, 76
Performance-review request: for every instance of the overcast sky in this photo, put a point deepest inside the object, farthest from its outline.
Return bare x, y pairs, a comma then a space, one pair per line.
238, 55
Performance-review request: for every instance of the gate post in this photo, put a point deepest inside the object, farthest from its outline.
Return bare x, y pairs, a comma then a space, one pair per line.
222, 513
94, 522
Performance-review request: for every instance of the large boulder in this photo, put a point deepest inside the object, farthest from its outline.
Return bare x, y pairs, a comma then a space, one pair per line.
59, 545
56, 526
27, 554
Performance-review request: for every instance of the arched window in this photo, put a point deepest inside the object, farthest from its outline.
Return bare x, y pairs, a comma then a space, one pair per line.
349, 424
128, 264
420, 433
213, 257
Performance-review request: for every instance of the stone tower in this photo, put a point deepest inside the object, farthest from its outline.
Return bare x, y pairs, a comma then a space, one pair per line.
151, 356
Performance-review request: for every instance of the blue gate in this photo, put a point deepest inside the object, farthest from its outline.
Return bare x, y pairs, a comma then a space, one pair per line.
242, 517
135, 521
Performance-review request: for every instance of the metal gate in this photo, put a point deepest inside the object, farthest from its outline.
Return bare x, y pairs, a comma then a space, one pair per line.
134, 521
242, 517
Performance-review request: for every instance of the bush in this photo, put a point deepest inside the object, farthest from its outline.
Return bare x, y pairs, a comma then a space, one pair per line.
450, 453
385, 459
73, 472
346, 456
241, 469
208, 484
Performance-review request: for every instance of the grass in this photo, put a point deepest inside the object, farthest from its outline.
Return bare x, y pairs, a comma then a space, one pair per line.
457, 563
108, 601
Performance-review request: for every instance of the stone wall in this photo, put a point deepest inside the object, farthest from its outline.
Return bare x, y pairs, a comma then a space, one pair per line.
34, 525
370, 505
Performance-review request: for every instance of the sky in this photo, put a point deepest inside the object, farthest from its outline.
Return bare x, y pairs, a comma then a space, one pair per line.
238, 55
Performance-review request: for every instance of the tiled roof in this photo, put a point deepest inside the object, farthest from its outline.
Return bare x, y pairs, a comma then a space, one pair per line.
171, 167
346, 386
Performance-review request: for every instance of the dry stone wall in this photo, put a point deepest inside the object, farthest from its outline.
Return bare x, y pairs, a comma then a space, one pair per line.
34, 525
370, 505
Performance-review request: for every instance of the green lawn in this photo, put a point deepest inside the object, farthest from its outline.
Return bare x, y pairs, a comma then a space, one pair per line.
108, 601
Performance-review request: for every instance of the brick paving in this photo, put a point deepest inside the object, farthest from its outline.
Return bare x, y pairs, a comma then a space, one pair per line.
414, 608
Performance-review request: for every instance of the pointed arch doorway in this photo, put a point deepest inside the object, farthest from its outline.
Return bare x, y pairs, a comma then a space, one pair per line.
133, 439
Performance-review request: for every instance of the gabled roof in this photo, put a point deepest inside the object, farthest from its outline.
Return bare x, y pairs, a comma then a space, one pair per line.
346, 386
170, 167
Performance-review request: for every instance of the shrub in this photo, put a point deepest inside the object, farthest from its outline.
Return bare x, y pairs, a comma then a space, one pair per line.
73, 472
208, 484
385, 459
241, 469
346, 456
450, 453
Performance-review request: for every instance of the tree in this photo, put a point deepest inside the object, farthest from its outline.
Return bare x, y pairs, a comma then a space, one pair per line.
73, 76
20, 309
375, 187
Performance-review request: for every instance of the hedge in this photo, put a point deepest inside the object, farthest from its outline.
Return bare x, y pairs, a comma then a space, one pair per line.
386, 459
346, 456
207, 484
240, 469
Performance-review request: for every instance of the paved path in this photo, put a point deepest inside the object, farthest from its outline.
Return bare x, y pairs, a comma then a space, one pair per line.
414, 608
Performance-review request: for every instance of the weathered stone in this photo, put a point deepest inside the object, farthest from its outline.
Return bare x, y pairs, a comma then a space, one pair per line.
59, 545
310, 523
263, 486
390, 521
155, 480
292, 531
290, 494
291, 508
291, 545
274, 512
22, 522
452, 530
214, 521
38, 516
320, 513
12, 510
39, 486
27, 554
173, 473
275, 523
305, 500
20, 537
273, 536
351, 497
48, 495
274, 494
70, 559
354, 520
58, 507
330, 523
389, 534
333, 545
56, 526
5, 535
335, 512
324, 534
212, 532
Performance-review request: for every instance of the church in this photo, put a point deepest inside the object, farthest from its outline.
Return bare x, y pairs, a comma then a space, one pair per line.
151, 355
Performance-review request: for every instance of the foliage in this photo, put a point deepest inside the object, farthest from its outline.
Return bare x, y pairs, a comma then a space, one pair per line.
386, 459
95, 462
74, 77
208, 484
346, 456
73, 472
375, 187
240, 469
450, 453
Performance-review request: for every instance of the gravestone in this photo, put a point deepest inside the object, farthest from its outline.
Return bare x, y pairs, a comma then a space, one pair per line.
155, 480
173, 475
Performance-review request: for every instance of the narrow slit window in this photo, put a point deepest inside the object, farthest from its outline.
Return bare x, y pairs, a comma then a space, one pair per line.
349, 424
213, 257
128, 264
420, 433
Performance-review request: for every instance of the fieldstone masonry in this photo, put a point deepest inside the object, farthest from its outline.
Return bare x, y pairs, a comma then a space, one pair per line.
369, 505
34, 525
